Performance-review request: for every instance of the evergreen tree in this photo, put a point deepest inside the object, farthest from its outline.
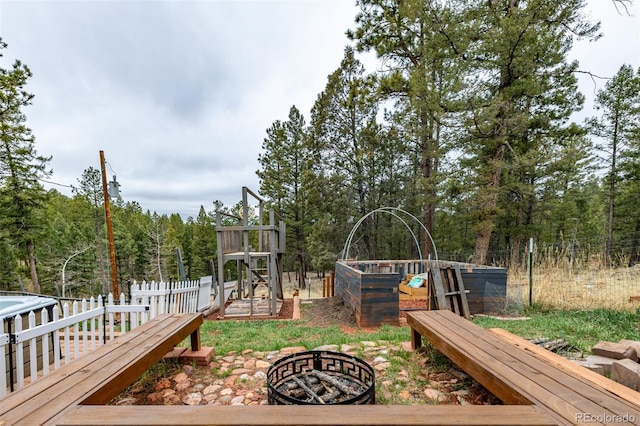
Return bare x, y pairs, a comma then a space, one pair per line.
21, 194
524, 90
421, 44
204, 245
618, 126
283, 163
350, 149
89, 192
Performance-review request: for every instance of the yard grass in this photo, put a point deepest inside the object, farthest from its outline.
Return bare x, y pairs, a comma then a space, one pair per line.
273, 335
580, 328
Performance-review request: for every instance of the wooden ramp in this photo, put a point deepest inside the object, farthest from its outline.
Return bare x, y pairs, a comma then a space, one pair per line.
517, 376
255, 307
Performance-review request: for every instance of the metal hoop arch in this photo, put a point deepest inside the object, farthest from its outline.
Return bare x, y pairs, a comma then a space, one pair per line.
390, 210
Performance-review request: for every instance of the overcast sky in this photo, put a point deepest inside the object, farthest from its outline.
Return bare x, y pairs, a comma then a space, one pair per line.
179, 94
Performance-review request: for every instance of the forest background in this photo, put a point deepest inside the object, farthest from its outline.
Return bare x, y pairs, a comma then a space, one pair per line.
466, 125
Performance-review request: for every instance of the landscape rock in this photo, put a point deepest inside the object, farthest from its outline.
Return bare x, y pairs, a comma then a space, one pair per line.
615, 350
602, 361
239, 371
590, 365
180, 377
192, 399
238, 400
162, 384
262, 364
183, 385
434, 395
211, 389
240, 379
332, 348
292, 350
635, 344
626, 372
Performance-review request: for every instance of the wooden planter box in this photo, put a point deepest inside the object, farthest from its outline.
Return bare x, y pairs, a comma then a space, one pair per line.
373, 289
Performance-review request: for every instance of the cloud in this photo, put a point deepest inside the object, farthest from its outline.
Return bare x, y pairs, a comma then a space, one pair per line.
179, 94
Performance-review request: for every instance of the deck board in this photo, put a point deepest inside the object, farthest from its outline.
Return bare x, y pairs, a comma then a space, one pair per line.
290, 415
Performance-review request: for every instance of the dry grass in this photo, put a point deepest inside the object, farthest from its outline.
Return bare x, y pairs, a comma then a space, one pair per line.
580, 285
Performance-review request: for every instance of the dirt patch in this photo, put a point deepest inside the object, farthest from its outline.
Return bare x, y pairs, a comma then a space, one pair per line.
326, 312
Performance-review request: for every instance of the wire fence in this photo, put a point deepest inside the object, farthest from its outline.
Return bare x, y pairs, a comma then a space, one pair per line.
574, 274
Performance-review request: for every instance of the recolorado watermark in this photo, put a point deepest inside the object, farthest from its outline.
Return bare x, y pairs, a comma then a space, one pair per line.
605, 418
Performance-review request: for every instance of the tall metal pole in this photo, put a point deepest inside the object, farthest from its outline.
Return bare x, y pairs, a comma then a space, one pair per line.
112, 247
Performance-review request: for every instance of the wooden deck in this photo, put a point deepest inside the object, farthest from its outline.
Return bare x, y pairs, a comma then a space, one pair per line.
517, 376
538, 388
98, 377
76, 394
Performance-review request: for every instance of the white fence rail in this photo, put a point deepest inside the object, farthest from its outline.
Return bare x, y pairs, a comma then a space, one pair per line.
34, 345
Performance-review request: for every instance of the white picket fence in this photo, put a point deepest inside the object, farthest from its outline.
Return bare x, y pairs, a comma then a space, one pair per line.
85, 326
173, 297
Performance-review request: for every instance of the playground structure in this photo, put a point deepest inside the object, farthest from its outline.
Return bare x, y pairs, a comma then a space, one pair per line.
257, 266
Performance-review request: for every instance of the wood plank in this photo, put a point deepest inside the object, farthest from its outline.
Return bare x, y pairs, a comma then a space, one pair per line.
463, 293
97, 377
570, 367
439, 288
514, 374
289, 415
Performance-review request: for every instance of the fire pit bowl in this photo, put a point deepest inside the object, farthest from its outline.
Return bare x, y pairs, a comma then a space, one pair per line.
320, 377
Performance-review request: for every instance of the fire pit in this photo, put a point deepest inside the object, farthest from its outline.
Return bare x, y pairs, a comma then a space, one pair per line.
320, 377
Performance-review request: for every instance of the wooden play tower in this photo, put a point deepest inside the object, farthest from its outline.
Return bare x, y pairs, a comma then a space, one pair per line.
257, 250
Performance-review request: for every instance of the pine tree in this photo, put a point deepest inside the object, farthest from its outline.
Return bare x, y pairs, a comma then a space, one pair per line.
21, 194
618, 126
283, 163
524, 88
349, 146
421, 44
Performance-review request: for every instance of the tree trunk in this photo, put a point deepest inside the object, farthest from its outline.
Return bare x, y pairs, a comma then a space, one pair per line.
486, 223
32, 266
428, 165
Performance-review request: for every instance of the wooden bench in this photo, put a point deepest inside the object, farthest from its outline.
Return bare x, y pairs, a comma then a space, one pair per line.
99, 376
518, 376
